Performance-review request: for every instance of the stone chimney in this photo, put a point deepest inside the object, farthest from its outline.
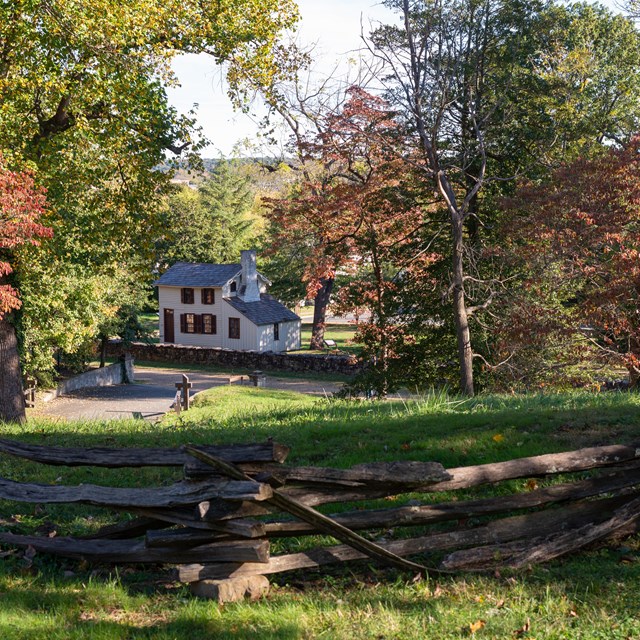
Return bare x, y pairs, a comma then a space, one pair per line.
250, 291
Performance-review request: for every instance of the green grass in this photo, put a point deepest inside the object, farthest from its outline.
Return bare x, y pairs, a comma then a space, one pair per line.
150, 325
341, 333
592, 595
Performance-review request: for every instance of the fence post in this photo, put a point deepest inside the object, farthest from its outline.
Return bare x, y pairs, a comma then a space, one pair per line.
183, 388
30, 392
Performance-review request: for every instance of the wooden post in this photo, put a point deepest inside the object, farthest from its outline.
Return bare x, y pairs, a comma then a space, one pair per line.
30, 392
177, 402
183, 387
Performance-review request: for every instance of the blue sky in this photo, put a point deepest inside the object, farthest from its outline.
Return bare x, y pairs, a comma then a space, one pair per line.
334, 27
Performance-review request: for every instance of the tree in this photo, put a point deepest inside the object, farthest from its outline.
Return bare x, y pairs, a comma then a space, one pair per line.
491, 89
22, 205
84, 104
440, 67
371, 216
302, 108
575, 242
213, 222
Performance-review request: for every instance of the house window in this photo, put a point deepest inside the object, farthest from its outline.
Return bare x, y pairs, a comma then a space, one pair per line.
234, 287
186, 295
276, 332
209, 323
234, 328
208, 296
189, 323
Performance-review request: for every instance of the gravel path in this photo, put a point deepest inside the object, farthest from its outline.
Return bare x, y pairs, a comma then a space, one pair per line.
153, 392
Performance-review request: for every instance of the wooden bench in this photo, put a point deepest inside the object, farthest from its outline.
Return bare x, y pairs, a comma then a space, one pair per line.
232, 379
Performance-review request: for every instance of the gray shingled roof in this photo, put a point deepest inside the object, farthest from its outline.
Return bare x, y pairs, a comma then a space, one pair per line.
267, 310
192, 274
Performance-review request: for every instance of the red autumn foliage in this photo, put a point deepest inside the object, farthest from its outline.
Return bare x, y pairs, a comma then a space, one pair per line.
22, 204
359, 215
576, 238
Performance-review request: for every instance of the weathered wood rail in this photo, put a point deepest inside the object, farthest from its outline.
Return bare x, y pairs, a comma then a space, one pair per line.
216, 523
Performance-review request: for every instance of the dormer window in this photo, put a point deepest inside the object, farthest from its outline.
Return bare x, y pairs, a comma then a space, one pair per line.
208, 296
234, 287
186, 295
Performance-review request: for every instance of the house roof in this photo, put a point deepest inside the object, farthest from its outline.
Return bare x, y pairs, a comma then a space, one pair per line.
267, 310
194, 274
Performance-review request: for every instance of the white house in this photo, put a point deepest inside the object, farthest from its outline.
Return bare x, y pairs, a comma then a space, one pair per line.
224, 305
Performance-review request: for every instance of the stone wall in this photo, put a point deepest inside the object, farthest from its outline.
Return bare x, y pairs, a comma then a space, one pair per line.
179, 354
118, 373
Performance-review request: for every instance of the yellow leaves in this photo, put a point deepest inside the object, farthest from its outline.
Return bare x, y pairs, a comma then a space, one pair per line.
498, 437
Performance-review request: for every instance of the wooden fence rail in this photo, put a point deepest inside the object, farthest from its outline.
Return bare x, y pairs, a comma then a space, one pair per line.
217, 522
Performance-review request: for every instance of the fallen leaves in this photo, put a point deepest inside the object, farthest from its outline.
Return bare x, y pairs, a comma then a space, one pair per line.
476, 626
523, 630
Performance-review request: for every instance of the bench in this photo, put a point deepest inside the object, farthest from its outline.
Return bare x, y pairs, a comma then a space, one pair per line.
331, 346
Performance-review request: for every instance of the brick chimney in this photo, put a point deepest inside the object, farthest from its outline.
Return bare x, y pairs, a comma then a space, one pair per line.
250, 291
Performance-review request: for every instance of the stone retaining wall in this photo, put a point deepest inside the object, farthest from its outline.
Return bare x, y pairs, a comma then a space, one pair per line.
118, 373
322, 363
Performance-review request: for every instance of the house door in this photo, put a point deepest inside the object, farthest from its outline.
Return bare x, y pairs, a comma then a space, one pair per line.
169, 331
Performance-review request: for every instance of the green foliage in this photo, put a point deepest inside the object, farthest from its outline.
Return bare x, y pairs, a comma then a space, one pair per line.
212, 223
67, 306
83, 103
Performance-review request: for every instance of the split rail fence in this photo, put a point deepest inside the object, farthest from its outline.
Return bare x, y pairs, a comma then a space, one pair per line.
217, 523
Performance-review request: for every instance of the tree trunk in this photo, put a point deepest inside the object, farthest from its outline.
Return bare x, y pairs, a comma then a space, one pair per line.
463, 335
12, 404
320, 313
104, 341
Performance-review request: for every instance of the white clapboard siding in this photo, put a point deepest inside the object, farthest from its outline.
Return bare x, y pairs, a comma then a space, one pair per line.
252, 337
289, 337
169, 298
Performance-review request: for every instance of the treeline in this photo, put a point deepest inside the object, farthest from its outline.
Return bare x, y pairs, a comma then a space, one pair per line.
480, 201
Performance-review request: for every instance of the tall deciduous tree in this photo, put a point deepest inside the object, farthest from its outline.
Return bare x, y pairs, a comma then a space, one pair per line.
492, 89
303, 108
370, 215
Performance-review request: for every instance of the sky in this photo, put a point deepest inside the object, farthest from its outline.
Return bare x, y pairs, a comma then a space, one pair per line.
333, 26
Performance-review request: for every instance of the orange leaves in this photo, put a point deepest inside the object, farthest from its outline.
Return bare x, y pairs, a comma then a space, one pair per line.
476, 626
575, 239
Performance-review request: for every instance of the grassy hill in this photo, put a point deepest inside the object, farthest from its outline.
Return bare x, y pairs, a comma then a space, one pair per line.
591, 595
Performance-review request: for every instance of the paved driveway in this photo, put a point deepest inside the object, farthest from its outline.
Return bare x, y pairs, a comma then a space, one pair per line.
153, 393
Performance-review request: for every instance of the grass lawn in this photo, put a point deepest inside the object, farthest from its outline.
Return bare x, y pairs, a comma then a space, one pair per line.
341, 333
592, 595
150, 325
